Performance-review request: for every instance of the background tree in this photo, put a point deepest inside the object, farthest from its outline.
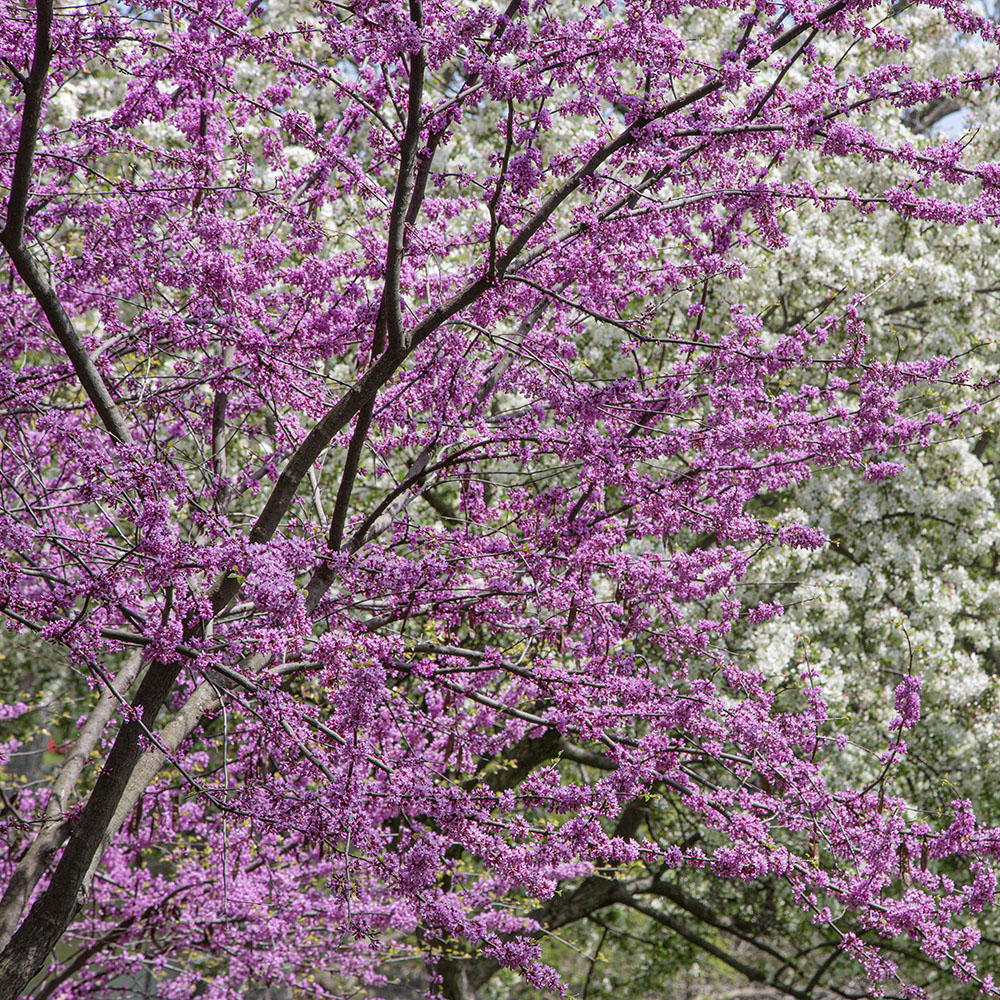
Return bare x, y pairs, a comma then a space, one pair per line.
397, 491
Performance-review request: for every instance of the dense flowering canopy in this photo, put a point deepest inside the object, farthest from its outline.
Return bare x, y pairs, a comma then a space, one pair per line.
366, 409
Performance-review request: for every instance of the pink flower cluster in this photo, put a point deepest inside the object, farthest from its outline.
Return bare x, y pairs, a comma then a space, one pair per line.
384, 444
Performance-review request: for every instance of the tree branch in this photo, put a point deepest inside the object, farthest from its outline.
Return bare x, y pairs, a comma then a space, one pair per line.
350, 472
498, 190
708, 916
631, 134
755, 975
335, 419
391, 308
462, 977
53, 911
219, 465
56, 828
434, 139
12, 235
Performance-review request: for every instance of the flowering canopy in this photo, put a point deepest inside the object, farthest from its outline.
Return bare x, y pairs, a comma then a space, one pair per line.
367, 410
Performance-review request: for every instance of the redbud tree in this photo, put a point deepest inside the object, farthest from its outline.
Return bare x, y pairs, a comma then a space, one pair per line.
379, 477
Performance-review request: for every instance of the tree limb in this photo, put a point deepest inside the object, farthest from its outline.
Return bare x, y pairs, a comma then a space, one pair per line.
55, 827
55, 908
391, 308
350, 472
12, 235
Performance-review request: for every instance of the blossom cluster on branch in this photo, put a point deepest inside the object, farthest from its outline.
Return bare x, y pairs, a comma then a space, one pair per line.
390, 445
